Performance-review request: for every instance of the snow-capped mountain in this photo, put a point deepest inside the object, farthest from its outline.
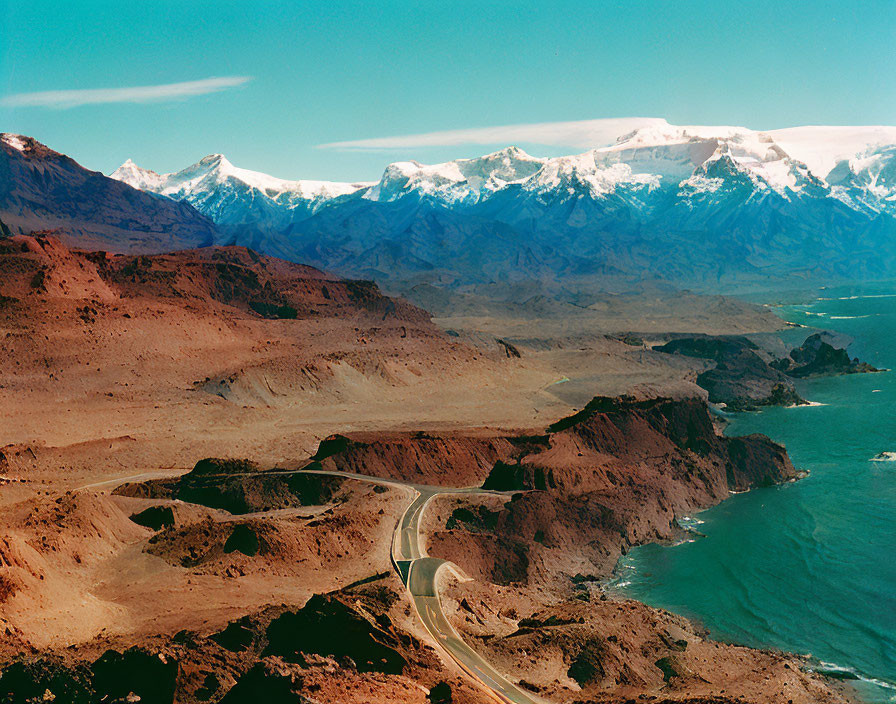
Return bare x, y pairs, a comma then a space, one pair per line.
233, 196
869, 178
460, 182
650, 158
677, 201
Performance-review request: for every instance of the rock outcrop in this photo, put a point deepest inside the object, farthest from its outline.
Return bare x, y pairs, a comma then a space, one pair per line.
614, 475
581, 493
818, 357
327, 626
342, 646
237, 486
744, 377
129, 676
445, 458
740, 376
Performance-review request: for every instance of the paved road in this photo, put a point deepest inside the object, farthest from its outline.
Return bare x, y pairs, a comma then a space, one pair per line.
420, 574
423, 586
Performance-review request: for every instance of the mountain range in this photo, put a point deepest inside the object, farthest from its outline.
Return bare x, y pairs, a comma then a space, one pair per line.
712, 207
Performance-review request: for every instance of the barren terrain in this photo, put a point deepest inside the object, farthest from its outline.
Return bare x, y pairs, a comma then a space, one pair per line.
132, 566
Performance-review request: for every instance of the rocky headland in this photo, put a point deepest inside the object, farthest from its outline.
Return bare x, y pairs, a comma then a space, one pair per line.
743, 376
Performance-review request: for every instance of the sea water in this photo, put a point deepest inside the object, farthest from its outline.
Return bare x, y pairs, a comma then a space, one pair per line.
810, 566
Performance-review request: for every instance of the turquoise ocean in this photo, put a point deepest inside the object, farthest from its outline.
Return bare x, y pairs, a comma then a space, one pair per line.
808, 567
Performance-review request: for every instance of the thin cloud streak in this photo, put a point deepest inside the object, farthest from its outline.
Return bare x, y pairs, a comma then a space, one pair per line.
63, 99
581, 133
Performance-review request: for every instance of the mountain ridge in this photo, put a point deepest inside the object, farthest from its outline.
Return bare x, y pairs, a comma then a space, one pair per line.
689, 146
44, 190
709, 208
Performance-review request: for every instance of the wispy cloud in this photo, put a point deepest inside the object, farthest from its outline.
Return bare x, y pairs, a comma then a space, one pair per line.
582, 133
131, 94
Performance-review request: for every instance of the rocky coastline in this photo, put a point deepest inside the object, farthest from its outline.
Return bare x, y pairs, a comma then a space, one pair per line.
567, 501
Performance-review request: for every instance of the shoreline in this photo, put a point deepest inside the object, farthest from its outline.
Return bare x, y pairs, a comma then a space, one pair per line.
848, 675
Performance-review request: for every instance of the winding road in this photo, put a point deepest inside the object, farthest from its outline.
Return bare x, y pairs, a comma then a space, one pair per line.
418, 572
420, 575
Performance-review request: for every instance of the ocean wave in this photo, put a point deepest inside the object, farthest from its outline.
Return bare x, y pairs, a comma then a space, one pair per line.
886, 456
808, 404
835, 670
870, 295
684, 541
849, 317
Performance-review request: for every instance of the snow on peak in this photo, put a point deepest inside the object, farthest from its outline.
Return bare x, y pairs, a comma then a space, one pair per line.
654, 155
571, 174
761, 163
456, 181
133, 175
649, 157
868, 176
214, 172
16, 141
818, 147
687, 152
821, 148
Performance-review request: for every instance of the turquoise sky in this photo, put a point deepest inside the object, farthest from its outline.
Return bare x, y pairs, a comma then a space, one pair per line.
337, 71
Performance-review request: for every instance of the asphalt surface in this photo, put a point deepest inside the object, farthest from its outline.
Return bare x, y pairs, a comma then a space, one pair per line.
420, 574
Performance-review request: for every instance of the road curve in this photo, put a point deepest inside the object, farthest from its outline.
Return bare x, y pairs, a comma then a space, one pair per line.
424, 590
420, 575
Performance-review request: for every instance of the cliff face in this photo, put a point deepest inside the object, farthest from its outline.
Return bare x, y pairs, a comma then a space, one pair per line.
445, 459
614, 475
675, 441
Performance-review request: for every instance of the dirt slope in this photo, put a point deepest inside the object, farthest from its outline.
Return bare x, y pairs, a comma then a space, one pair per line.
41, 189
259, 357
